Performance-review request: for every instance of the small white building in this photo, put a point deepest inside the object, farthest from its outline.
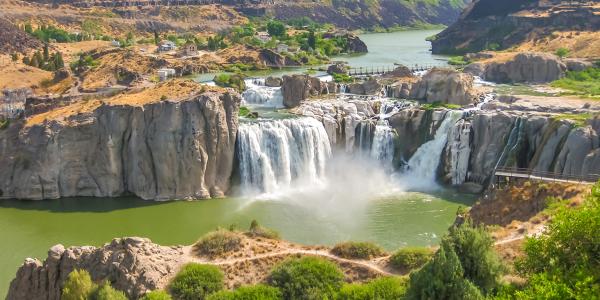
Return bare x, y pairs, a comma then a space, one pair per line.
263, 36
282, 48
115, 43
167, 46
165, 73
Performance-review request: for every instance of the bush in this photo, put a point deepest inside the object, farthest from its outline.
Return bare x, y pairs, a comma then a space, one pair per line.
78, 286
457, 61
307, 278
196, 282
357, 250
106, 292
157, 295
384, 288
259, 231
562, 52
4, 123
235, 81
218, 242
410, 258
342, 78
255, 292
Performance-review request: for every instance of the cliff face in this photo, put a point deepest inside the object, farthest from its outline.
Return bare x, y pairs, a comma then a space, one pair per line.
162, 150
503, 24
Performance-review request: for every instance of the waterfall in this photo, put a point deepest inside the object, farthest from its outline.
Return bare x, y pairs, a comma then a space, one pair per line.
257, 93
514, 139
382, 148
423, 165
274, 154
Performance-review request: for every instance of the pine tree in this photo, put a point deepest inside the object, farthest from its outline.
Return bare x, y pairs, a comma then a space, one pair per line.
58, 60
46, 52
156, 38
26, 60
28, 28
312, 40
34, 62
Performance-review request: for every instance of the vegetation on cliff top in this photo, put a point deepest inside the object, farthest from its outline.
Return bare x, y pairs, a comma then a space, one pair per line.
583, 83
357, 250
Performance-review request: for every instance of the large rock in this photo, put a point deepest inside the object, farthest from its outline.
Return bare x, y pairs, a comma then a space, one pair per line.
297, 88
133, 265
273, 81
355, 44
526, 67
162, 151
574, 64
445, 86
369, 87
337, 68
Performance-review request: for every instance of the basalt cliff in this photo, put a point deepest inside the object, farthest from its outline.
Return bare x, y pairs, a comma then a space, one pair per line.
174, 141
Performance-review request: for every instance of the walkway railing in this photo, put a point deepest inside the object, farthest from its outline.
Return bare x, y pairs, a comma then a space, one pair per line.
545, 176
378, 70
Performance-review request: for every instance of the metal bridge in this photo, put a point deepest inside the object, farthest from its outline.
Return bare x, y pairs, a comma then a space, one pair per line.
380, 70
506, 172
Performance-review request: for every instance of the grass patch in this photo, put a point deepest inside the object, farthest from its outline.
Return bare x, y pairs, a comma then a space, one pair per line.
357, 250
4, 123
579, 120
218, 242
342, 78
457, 61
583, 83
436, 105
410, 258
235, 81
256, 230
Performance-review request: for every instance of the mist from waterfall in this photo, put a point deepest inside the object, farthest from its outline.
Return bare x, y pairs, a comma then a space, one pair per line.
421, 171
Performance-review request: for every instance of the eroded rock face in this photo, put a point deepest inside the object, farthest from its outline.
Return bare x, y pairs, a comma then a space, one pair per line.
445, 86
355, 44
133, 265
273, 81
297, 88
369, 87
526, 67
160, 151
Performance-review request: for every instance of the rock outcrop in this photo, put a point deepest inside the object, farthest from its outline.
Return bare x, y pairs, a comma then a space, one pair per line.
368, 87
337, 68
133, 265
445, 86
298, 88
355, 45
526, 67
161, 150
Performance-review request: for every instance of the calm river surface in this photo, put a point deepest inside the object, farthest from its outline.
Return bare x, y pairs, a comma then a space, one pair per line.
30, 228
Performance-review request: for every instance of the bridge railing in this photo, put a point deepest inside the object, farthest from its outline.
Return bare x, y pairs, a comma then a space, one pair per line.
373, 70
545, 175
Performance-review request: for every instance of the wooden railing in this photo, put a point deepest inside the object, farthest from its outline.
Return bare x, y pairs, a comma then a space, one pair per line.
544, 175
378, 70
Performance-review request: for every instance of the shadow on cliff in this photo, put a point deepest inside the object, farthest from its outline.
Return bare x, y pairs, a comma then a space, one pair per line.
80, 204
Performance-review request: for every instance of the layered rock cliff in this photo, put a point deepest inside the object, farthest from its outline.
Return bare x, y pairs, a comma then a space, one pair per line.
523, 67
178, 147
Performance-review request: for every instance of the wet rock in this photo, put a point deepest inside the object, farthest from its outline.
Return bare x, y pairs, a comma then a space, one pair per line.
400, 71
297, 88
445, 86
475, 69
369, 87
338, 68
273, 81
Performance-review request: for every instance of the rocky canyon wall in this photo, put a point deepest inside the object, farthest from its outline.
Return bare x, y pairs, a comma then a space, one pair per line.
161, 151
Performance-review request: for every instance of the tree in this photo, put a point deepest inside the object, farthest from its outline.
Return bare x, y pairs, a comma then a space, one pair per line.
562, 52
156, 38
26, 60
312, 39
106, 292
157, 295
196, 282
58, 60
307, 278
255, 292
78, 286
46, 52
28, 28
276, 28
14, 56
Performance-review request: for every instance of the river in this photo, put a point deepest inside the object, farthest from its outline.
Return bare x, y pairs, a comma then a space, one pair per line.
398, 219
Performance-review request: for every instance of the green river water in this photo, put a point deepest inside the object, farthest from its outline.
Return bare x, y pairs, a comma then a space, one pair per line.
30, 228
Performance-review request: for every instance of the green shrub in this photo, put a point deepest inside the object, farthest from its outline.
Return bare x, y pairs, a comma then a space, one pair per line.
384, 288
196, 282
357, 250
586, 82
255, 292
106, 292
342, 78
4, 123
235, 81
410, 258
457, 61
244, 111
259, 231
435, 105
218, 242
562, 52
157, 295
307, 278
78, 286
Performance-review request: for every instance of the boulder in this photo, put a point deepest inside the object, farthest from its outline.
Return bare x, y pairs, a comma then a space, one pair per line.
526, 67
574, 64
475, 69
337, 68
297, 88
355, 44
446, 86
273, 81
369, 87
400, 71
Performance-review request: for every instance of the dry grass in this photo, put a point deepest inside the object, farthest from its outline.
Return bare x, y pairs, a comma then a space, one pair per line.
70, 50
18, 75
582, 44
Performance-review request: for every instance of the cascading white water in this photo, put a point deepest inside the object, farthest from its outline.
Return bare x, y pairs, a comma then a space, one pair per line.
257, 93
459, 151
382, 148
274, 154
423, 165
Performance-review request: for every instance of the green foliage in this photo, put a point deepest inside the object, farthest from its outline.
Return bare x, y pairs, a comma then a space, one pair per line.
410, 258
307, 278
342, 78
157, 295
218, 242
235, 81
436, 105
244, 111
457, 61
562, 52
78, 286
256, 230
357, 250
565, 259
383, 288
255, 292
4, 123
47, 33
84, 61
586, 82
106, 292
196, 282
579, 120
276, 28
442, 278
